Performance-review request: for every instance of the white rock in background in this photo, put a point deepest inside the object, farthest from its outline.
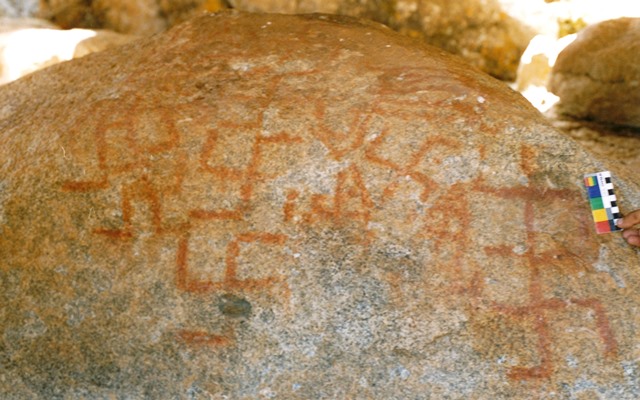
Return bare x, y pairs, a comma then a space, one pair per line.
25, 50
535, 67
8, 24
543, 16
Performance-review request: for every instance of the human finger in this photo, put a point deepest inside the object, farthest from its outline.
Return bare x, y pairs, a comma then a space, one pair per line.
632, 236
629, 220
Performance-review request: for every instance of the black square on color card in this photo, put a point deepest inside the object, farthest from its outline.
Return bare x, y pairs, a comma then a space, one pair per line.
614, 204
617, 215
610, 192
608, 180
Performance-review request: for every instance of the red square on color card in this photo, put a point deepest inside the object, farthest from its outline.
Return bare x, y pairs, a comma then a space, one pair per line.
603, 227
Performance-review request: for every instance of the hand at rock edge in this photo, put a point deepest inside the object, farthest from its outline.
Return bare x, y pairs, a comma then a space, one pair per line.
631, 234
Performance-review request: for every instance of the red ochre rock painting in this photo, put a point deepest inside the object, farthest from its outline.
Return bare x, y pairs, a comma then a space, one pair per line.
258, 205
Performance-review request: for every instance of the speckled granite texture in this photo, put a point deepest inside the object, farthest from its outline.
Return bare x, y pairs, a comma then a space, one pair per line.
310, 207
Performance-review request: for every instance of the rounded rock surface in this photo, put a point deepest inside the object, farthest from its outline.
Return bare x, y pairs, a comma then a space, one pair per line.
479, 31
304, 207
597, 76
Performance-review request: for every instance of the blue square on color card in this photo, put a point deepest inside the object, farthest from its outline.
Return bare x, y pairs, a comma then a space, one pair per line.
594, 191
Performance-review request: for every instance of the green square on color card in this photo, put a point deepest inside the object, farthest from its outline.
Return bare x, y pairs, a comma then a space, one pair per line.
596, 203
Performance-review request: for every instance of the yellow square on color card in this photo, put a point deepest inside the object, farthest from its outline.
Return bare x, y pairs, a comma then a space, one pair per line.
591, 181
600, 215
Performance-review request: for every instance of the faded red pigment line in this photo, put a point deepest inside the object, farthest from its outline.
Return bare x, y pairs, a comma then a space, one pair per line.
351, 202
372, 155
334, 141
288, 208
545, 368
173, 137
356, 191
85, 186
453, 202
181, 263
233, 215
527, 159
203, 338
231, 257
268, 238
147, 193
602, 321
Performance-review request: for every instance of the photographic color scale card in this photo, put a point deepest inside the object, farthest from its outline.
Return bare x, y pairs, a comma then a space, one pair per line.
604, 205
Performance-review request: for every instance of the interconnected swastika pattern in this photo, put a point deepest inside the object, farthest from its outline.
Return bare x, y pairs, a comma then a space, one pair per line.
241, 175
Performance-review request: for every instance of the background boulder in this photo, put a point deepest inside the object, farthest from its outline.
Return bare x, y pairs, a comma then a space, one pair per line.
140, 17
304, 207
597, 76
479, 31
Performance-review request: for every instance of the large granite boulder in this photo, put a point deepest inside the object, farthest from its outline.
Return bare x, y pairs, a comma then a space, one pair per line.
259, 206
597, 76
480, 31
